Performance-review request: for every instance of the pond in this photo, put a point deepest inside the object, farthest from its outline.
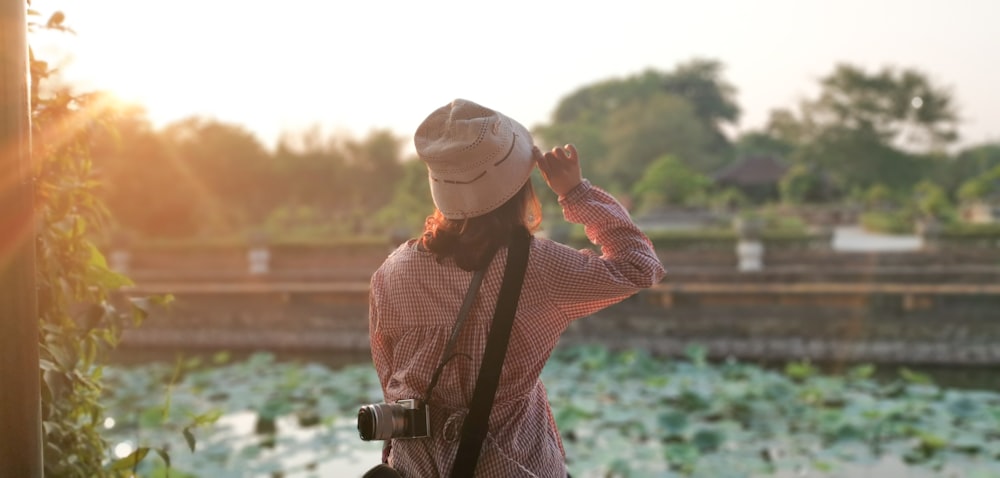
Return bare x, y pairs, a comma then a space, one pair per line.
620, 414
975, 377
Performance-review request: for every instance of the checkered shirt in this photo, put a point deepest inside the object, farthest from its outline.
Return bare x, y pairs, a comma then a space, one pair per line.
413, 305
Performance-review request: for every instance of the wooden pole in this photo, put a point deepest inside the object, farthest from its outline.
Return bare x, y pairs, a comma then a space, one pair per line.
20, 398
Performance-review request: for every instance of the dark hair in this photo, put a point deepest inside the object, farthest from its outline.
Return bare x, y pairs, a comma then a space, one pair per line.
473, 241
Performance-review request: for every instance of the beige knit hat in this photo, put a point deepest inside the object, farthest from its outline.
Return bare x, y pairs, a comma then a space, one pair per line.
476, 158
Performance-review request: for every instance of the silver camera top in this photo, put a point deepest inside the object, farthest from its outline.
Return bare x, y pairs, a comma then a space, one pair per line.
410, 403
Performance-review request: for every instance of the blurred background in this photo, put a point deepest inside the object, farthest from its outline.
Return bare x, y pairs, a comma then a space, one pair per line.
820, 179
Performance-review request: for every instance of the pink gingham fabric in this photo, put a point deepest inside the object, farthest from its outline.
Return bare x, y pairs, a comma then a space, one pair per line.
413, 304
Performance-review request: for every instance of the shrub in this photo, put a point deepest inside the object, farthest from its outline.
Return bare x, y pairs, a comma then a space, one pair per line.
888, 222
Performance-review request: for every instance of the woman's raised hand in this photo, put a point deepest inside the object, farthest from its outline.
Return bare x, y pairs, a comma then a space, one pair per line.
560, 168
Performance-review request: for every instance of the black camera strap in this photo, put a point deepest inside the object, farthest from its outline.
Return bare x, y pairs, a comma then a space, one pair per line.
476, 422
463, 313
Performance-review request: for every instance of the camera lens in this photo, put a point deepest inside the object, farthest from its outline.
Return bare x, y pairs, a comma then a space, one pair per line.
381, 421
366, 423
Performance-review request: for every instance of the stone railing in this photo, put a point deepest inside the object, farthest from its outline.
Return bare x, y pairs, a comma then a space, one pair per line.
848, 321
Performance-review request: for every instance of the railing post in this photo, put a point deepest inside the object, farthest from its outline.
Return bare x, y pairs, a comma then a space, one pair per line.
119, 260
258, 255
749, 247
20, 397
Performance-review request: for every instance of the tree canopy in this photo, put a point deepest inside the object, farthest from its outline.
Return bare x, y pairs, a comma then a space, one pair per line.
866, 128
626, 124
205, 177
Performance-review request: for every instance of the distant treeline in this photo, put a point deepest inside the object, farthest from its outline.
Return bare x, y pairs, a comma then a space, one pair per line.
883, 139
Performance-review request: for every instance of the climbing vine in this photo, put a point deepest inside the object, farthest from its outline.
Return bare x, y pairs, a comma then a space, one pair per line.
81, 319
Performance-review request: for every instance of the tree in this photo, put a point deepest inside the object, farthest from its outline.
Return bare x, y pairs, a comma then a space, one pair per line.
411, 201
880, 197
222, 169
931, 202
984, 186
899, 107
195, 176
856, 159
867, 128
640, 133
966, 165
701, 83
343, 180
376, 165
803, 184
668, 181
312, 171
140, 186
760, 143
627, 123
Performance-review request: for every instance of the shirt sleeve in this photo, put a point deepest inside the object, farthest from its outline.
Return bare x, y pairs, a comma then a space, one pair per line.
581, 282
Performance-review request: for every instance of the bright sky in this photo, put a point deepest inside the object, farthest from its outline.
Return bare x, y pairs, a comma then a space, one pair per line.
352, 66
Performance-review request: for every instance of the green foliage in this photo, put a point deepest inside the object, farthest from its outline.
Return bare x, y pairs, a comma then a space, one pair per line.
777, 223
862, 130
301, 222
896, 107
931, 202
965, 236
966, 165
880, 197
625, 124
226, 183
634, 415
255, 417
638, 134
621, 414
896, 212
889, 222
669, 182
973, 230
80, 320
983, 186
760, 143
853, 159
728, 199
803, 184
700, 81
776, 231
866, 128
410, 205
240, 243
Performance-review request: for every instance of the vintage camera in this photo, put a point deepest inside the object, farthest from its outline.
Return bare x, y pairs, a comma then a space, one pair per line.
409, 418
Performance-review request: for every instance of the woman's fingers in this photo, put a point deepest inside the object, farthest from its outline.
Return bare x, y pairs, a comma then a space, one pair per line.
565, 153
557, 160
536, 153
571, 152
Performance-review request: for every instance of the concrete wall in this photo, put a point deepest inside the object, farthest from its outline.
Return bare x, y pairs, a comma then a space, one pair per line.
947, 328
846, 322
933, 306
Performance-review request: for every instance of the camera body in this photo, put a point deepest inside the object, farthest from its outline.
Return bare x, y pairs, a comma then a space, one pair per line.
407, 418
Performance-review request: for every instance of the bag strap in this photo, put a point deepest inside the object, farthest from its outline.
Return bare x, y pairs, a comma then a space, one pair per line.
476, 423
463, 313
